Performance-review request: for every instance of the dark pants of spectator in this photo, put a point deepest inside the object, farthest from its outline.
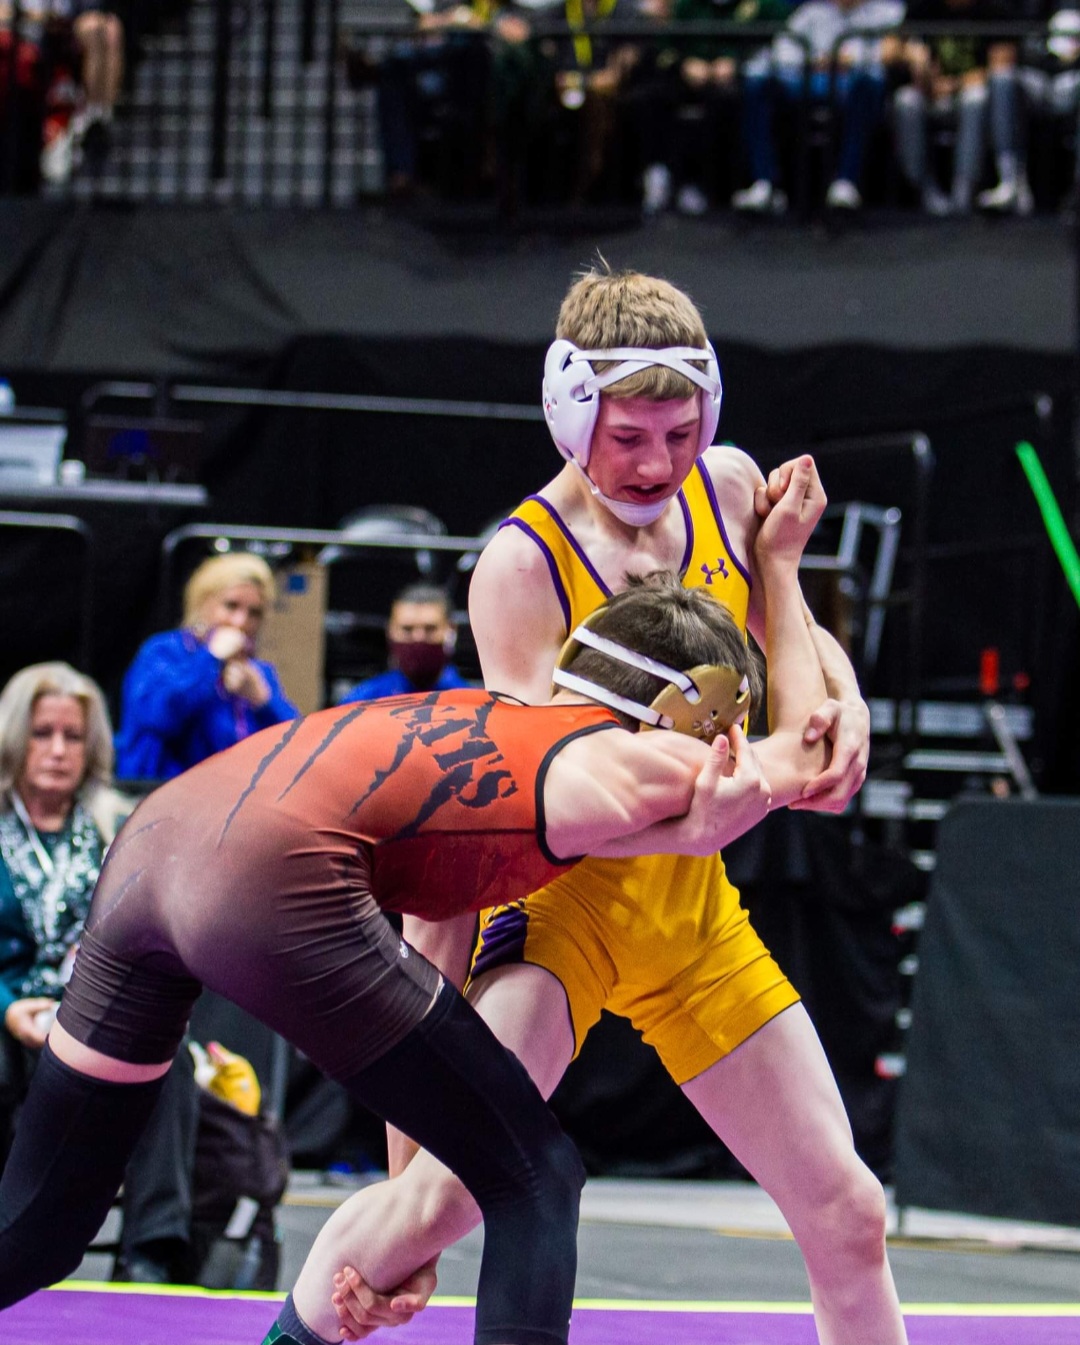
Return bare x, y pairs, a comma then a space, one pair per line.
416, 79
859, 99
691, 131
158, 1180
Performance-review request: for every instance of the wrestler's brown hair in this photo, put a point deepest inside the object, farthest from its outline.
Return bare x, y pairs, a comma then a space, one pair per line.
681, 627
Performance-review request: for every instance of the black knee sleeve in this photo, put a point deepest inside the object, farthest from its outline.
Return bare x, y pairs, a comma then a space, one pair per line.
454, 1089
74, 1137
525, 1297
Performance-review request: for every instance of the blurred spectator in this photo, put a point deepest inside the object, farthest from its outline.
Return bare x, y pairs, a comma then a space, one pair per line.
23, 39
58, 812
584, 74
949, 90
444, 65
77, 78
689, 130
192, 692
420, 640
1008, 125
1045, 88
99, 38
826, 28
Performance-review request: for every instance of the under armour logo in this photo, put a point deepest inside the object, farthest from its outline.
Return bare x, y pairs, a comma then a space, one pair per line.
708, 571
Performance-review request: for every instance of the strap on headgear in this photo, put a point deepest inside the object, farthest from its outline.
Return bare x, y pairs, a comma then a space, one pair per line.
702, 702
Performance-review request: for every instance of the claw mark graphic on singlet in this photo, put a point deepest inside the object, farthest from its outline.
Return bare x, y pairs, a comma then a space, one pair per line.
125, 887
262, 767
339, 725
129, 834
473, 773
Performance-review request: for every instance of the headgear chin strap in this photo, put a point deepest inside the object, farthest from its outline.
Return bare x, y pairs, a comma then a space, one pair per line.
571, 392
702, 702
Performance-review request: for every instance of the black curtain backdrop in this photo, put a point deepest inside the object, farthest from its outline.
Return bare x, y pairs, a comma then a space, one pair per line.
987, 1115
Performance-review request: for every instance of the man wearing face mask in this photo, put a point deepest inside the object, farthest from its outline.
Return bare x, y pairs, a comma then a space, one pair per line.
420, 639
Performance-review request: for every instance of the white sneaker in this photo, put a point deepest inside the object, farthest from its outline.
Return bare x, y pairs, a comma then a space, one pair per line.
58, 156
1007, 198
935, 202
761, 197
843, 195
691, 200
656, 184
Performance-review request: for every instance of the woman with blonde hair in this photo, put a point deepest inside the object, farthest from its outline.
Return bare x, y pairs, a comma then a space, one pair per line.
58, 812
58, 815
193, 691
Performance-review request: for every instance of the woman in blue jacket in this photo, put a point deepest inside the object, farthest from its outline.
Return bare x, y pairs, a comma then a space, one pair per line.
192, 692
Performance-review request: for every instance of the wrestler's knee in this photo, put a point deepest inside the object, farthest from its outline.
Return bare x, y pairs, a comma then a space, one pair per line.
559, 1176
849, 1229
445, 1209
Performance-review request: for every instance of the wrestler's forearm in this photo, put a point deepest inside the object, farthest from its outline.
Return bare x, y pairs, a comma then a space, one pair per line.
840, 680
789, 764
796, 678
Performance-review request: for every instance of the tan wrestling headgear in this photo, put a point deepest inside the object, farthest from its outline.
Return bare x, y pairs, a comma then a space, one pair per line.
701, 702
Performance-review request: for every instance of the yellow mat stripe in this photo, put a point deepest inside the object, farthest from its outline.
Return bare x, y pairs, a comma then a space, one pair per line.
610, 1304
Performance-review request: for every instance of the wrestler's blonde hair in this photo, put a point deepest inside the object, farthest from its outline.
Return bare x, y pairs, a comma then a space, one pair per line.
17, 703
605, 309
218, 573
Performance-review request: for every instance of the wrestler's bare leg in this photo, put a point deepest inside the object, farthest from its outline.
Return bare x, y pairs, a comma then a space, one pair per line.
96, 1064
774, 1103
388, 1230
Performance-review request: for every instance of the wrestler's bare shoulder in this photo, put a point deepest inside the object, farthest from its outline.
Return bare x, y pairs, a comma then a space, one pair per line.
510, 553
730, 469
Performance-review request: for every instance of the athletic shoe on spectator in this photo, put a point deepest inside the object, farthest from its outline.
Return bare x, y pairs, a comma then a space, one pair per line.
935, 202
657, 189
761, 198
843, 195
691, 200
57, 153
1007, 198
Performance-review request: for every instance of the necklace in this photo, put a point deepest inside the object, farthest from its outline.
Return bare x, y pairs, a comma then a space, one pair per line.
53, 889
32, 835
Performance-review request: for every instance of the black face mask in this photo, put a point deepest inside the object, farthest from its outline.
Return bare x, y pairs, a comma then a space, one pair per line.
420, 660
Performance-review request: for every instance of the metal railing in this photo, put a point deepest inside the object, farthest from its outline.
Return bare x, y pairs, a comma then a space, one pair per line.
26, 521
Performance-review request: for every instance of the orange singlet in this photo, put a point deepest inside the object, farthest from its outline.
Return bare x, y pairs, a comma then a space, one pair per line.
261, 872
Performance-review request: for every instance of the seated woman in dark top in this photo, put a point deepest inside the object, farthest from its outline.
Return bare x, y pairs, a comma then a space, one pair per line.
58, 813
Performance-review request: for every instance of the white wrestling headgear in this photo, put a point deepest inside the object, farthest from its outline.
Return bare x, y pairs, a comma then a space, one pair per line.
571, 391
701, 702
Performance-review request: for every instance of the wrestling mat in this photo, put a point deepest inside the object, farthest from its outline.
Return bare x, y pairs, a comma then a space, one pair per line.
84, 1313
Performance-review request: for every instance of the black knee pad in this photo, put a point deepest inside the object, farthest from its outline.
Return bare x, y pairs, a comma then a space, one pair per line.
74, 1137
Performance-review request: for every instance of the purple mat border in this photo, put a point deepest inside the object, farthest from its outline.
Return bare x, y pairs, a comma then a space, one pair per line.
103, 1317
